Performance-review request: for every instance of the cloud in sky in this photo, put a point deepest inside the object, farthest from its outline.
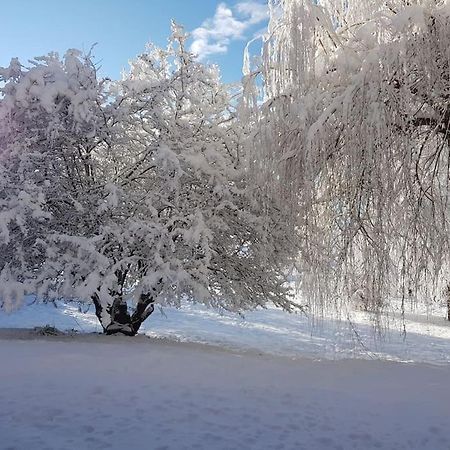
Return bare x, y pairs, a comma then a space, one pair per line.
228, 24
256, 12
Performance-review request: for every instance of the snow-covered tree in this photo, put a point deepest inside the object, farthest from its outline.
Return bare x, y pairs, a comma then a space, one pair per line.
52, 131
353, 134
131, 193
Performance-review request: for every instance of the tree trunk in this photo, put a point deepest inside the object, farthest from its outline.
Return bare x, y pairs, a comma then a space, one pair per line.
120, 321
448, 307
447, 297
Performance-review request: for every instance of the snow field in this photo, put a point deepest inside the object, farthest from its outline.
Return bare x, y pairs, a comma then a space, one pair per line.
93, 392
269, 380
272, 331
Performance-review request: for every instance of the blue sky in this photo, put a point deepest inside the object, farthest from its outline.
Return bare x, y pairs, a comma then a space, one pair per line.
220, 29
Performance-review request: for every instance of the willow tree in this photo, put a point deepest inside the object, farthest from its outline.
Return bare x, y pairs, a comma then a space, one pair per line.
353, 135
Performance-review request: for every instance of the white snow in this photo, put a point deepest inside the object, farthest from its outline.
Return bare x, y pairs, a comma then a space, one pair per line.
94, 392
271, 331
267, 381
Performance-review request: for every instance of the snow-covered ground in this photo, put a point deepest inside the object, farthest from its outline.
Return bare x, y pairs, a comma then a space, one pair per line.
201, 380
95, 392
272, 331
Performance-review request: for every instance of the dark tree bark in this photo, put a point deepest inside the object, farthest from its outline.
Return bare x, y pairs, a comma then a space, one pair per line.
118, 317
121, 321
448, 307
447, 297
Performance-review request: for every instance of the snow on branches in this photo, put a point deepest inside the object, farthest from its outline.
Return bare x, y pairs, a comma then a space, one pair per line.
132, 192
353, 135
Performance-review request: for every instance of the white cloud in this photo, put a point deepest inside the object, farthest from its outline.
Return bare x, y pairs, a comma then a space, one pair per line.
257, 12
216, 33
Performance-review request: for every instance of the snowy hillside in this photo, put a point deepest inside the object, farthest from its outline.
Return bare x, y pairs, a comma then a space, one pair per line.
271, 331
